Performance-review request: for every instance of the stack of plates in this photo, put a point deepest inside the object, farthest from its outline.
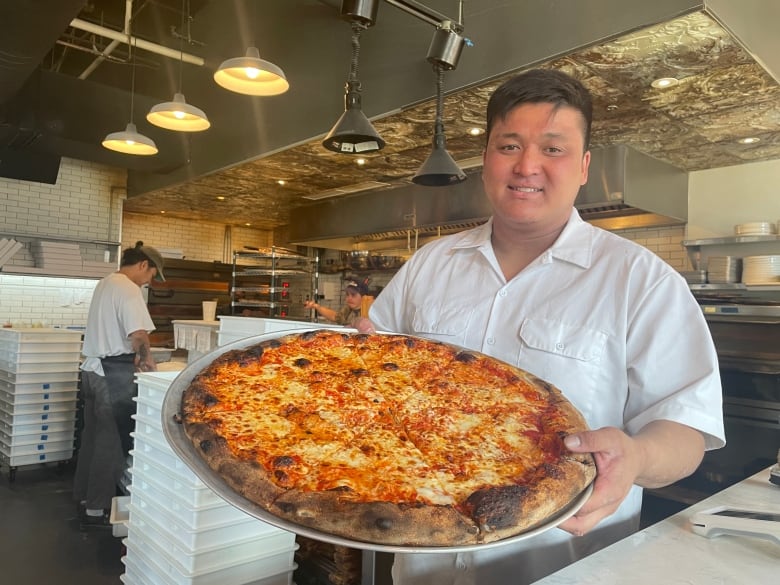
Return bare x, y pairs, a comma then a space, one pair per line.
755, 228
694, 276
761, 269
723, 269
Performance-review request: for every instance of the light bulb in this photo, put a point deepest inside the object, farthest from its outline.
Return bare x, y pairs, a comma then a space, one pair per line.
251, 72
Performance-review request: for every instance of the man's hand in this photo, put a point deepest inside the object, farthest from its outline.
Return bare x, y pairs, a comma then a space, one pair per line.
660, 454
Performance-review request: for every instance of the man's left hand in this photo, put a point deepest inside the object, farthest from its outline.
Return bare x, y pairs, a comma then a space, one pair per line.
617, 464
662, 452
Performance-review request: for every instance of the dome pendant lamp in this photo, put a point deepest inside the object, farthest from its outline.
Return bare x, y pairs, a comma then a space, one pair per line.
353, 133
130, 141
251, 75
178, 114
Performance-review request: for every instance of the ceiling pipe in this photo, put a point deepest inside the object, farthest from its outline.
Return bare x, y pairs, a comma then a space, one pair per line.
428, 14
137, 43
112, 45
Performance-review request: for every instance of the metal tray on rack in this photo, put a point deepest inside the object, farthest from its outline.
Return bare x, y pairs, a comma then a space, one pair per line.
181, 445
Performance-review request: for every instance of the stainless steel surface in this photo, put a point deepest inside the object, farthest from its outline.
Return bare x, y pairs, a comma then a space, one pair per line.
181, 445
747, 340
622, 183
731, 240
737, 310
621, 179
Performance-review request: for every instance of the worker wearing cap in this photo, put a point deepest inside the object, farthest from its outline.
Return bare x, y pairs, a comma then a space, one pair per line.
350, 312
116, 346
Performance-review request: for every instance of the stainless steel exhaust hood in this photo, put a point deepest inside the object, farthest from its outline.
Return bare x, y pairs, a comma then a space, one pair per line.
628, 189
625, 189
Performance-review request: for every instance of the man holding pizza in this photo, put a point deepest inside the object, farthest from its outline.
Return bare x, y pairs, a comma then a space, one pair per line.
603, 319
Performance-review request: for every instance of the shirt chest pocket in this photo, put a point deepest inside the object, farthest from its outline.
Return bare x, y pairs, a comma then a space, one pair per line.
584, 344
445, 323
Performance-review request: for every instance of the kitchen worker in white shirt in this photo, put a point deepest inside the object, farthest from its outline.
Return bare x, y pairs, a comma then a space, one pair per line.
116, 346
600, 317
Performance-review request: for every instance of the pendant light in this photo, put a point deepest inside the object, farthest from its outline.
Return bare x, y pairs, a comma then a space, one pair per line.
353, 132
130, 141
440, 169
251, 75
178, 114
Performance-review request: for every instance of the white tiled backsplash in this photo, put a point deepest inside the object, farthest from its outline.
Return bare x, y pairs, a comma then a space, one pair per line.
28, 301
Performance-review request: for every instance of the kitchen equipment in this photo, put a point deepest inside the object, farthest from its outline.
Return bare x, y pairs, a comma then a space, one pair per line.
694, 276
724, 269
726, 520
273, 282
182, 446
759, 270
755, 228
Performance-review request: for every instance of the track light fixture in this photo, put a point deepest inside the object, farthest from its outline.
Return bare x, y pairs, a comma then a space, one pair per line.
130, 141
353, 133
178, 114
440, 169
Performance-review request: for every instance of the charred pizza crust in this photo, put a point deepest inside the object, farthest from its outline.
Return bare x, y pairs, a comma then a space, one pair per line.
387, 439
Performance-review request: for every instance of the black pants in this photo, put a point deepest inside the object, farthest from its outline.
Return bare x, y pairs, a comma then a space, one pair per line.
106, 440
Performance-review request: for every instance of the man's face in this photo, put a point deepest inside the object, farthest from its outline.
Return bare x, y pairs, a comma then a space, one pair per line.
353, 298
534, 166
144, 274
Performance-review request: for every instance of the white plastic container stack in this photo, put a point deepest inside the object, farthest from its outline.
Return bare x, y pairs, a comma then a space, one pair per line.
179, 531
39, 372
235, 328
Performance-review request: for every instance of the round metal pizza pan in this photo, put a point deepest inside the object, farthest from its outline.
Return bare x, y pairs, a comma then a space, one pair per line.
181, 445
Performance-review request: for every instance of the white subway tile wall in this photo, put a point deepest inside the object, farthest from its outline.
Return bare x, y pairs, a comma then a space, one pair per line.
30, 301
198, 240
665, 242
84, 204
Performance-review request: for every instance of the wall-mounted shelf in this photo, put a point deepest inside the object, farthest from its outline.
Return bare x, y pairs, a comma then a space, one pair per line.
725, 240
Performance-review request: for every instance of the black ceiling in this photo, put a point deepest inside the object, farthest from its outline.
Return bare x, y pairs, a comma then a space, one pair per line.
46, 109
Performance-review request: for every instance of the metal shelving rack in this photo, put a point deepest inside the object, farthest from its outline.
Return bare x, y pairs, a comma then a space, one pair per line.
700, 250
273, 282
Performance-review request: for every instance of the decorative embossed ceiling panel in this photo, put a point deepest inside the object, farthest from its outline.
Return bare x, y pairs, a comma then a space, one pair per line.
723, 95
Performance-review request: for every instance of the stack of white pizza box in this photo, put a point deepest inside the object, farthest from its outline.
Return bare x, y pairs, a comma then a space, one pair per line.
39, 372
179, 531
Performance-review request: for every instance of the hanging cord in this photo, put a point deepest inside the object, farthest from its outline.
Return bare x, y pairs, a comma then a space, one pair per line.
131, 42
439, 94
352, 80
181, 41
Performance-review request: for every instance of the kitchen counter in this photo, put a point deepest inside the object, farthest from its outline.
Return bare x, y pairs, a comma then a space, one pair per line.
669, 552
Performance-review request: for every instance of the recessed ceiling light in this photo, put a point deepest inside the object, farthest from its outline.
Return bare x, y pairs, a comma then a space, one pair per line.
221, 197
247, 224
476, 131
281, 182
162, 212
749, 140
360, 161
664, 82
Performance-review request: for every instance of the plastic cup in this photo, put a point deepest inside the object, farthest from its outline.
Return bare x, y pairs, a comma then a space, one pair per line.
209, 310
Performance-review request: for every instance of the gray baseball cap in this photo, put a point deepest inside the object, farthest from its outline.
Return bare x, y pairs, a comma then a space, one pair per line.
155, 258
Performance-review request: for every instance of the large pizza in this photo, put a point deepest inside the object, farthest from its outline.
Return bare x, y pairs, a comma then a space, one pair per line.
385, 438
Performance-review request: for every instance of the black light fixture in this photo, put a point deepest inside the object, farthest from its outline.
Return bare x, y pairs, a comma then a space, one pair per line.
353, 133
440, 169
